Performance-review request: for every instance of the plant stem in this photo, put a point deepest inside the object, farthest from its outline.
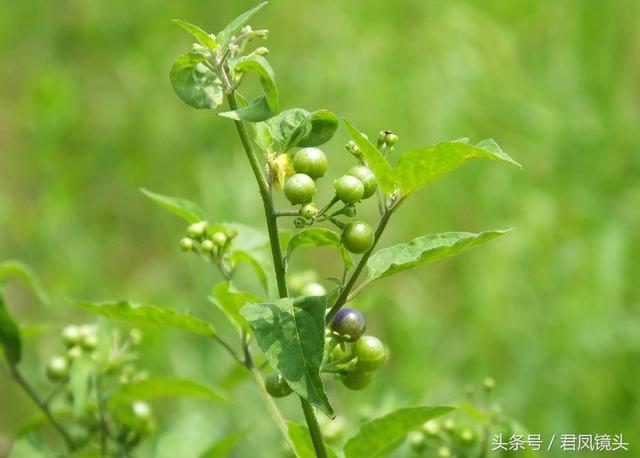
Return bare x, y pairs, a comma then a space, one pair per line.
314, 428
344, 294
281, 280
24, 384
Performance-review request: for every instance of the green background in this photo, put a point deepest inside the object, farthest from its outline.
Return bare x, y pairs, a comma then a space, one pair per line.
87, 116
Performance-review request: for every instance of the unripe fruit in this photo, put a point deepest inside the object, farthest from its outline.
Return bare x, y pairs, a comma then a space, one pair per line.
366, 177
299, 189
353, 148
197, 229
356, 380
313, 289
348, 323
391, 139
71, 335
357, 237
74, 352
310, 161
207, 246
431, 427
277, 386
489, 383
349, 189
370, 353
57, 369
187, 244
449, 424
300, 222
308, 211
219, 238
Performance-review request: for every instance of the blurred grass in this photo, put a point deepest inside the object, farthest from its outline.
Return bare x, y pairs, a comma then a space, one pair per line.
551, 311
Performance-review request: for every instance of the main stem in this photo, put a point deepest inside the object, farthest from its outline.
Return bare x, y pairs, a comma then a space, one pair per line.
278, 264
22, 382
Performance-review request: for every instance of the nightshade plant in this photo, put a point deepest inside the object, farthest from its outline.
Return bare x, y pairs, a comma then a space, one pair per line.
307, 336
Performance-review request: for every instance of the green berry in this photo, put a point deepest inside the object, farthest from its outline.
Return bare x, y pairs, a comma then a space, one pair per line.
300, 222
357, 237
313, 289
197, 229
219, 238
310, 161
431, 427
308, 211
449, 424
277, 386
366, 176
391, 138
187, 244
349, 189
356, 380
57, 369
71, 335
299, 189
370, 352
207, 246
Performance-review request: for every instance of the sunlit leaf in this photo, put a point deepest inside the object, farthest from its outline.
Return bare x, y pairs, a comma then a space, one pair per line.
323, 126
148, 314
224, 37
242, 257
374, 437
258, 110
183, 208
290, 332
195, 83
261, 66
203, 37
421, 250
289, 127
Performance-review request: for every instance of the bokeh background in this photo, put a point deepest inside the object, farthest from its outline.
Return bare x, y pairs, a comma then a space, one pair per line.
87, 116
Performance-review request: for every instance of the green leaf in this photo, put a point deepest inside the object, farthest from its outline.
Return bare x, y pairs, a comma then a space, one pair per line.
203, 37
289, 127
375, 436
231, 301
323, 126
240, 257
9, 336
421, 250
221, 448
224, 37
317, 237
290, 332
258, 110
249, 238
301, 439
260, 65
377, 163
26, 275
195, 83
153, 388
422, 166
184, 208
147, 314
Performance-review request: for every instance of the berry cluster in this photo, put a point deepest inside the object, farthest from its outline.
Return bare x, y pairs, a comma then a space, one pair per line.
102, 365
358, 184
211, 242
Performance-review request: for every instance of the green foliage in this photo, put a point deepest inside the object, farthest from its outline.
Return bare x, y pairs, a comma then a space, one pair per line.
203, 37
184, 208
26, 275
147, 314
299, 435
224, 37
290, 332
420, 167
318, 237
195, 82
259, 65
375, 437
153, 388
231, 301
9, 336
421, 250
221, 448
298, 127
258, 110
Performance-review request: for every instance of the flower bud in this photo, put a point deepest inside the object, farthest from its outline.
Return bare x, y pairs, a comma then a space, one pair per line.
308, 211
219, 238
300, 222
71, 335
197, 229
262, 51
207, 245
187, 244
